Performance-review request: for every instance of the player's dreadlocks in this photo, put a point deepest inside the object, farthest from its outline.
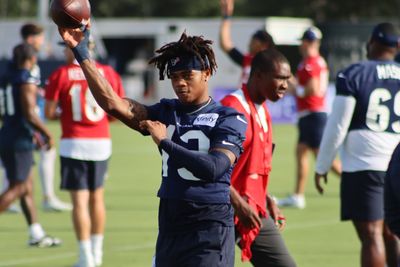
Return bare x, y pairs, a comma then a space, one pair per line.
187, 45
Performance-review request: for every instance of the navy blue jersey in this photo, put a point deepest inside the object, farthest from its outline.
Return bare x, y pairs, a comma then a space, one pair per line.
376, 87
212, 126
16, 132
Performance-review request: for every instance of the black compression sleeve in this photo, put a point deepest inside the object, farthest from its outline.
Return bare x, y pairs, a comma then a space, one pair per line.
208, 167
236, 56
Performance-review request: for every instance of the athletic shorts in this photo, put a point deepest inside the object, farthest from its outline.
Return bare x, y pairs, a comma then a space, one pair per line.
311, 128
17, 164
210, 247
82, 174
392, 193
361, 195
269, 249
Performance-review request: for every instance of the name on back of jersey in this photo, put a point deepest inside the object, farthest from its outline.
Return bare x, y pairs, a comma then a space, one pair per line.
76, 74
206, 119
388, 72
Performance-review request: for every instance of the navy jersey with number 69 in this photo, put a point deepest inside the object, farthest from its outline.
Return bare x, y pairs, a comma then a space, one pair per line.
374, 130
16, 132
376, 86
212, 126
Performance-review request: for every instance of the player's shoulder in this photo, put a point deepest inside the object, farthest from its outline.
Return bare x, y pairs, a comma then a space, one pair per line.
227, 114
314, 62
168, 104
356, 68
63, 69
22, 76
320, 60
237, 100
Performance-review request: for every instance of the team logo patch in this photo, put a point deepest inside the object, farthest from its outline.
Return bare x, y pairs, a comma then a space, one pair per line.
207, 119
174, 61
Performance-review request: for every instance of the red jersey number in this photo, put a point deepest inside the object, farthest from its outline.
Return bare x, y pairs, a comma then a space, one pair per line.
91, 110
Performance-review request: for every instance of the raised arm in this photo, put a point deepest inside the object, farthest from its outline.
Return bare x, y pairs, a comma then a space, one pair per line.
129, 111
225, 40
126, 110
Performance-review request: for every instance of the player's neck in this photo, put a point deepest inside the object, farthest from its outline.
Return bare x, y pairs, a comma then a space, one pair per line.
193, 108
312, 53
253, 94
382, 56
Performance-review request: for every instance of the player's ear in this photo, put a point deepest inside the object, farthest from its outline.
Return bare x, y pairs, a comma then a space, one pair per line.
206, 74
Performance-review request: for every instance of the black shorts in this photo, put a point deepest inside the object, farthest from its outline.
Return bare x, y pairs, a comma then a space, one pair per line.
210, 247
269, 249
361, 195
311, 128
82, 174
392, 193
17, 164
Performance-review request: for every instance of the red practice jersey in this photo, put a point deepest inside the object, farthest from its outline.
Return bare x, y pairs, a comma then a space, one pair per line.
312, 67
251, 172
81, 117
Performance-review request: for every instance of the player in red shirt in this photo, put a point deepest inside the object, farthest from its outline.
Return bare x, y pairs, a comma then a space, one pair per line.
312, 83
260, 40
85, 148
258, 217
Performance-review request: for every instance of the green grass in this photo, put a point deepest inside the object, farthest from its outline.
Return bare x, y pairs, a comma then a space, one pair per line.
315, 236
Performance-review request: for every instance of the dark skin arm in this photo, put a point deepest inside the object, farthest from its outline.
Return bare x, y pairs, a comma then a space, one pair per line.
275, 213
28, 104
225, 40
126, 110
318, 183
247, 216
50, 110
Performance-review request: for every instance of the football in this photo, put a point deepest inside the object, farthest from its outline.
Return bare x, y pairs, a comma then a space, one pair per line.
70, 13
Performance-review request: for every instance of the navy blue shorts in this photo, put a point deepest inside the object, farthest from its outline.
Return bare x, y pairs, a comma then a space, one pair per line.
210, 247
392, 193
361, 195
17, 164
82, 174
311, 128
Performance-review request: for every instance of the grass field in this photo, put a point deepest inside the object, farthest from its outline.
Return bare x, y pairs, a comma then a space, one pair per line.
315, 236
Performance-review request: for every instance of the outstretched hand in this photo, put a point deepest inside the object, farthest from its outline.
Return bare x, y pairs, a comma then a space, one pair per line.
227, 7
317, 179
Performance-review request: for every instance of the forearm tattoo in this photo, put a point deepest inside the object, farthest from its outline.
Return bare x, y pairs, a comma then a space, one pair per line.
138, 113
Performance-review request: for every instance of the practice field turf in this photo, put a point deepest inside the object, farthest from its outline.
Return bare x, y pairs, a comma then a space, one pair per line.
315, 236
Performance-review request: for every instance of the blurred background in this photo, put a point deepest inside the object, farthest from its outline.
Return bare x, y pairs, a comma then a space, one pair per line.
128, 31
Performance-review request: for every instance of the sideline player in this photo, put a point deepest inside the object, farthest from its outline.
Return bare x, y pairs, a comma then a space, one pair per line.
33, 34
85, 149
312, 78
198, 139
260, 40
257, 217
18, 103
365, 123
